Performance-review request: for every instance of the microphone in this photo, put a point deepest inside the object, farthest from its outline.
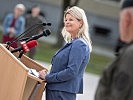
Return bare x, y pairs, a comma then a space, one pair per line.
26, 46
32, 44
24, 39
46, 24
35, 37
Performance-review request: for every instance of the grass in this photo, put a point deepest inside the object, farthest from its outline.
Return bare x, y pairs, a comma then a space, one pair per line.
96, 65
45, 52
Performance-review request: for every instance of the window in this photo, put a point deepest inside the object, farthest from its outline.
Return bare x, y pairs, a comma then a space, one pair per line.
101, 31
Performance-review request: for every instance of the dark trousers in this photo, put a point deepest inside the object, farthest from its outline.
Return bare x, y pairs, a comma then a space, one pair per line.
59, 95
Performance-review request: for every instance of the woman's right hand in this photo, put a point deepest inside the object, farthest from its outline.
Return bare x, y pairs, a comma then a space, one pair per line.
42, 74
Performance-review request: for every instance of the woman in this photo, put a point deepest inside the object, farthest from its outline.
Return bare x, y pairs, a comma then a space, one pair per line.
14, 24
65, 79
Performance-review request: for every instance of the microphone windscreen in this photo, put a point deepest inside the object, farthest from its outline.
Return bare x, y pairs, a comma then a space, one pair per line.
48, 32
32, 44
46, 24
49, 24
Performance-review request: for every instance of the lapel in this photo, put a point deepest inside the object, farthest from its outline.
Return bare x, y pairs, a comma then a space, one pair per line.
62, 48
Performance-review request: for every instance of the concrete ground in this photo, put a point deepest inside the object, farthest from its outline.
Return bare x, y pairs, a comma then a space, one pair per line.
90, 84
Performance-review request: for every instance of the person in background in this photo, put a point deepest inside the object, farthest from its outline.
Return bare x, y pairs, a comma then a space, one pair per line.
65, 79
14, 24
120, 44
31, 19
116, 82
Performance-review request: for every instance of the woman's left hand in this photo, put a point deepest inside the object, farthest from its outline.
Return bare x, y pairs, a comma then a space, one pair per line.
42, 74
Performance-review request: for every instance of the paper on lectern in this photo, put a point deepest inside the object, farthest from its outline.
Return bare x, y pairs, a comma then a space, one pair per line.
34, 72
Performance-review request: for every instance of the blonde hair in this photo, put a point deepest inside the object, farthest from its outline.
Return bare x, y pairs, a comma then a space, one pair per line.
84, 30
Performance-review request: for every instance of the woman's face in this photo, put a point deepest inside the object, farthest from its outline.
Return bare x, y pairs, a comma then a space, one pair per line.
18, 12
35, 11
72, 25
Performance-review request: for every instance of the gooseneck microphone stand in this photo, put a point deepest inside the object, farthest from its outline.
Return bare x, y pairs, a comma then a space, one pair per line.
30, 29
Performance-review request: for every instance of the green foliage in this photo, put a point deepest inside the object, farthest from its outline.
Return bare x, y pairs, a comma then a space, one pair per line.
45, 52
97, 63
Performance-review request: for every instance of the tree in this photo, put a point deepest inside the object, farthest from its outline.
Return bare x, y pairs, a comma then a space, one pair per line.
65, 5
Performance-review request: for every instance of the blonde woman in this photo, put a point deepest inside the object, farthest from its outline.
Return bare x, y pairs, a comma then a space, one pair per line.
65, 79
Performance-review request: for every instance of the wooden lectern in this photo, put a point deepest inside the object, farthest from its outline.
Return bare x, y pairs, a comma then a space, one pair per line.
16, 83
